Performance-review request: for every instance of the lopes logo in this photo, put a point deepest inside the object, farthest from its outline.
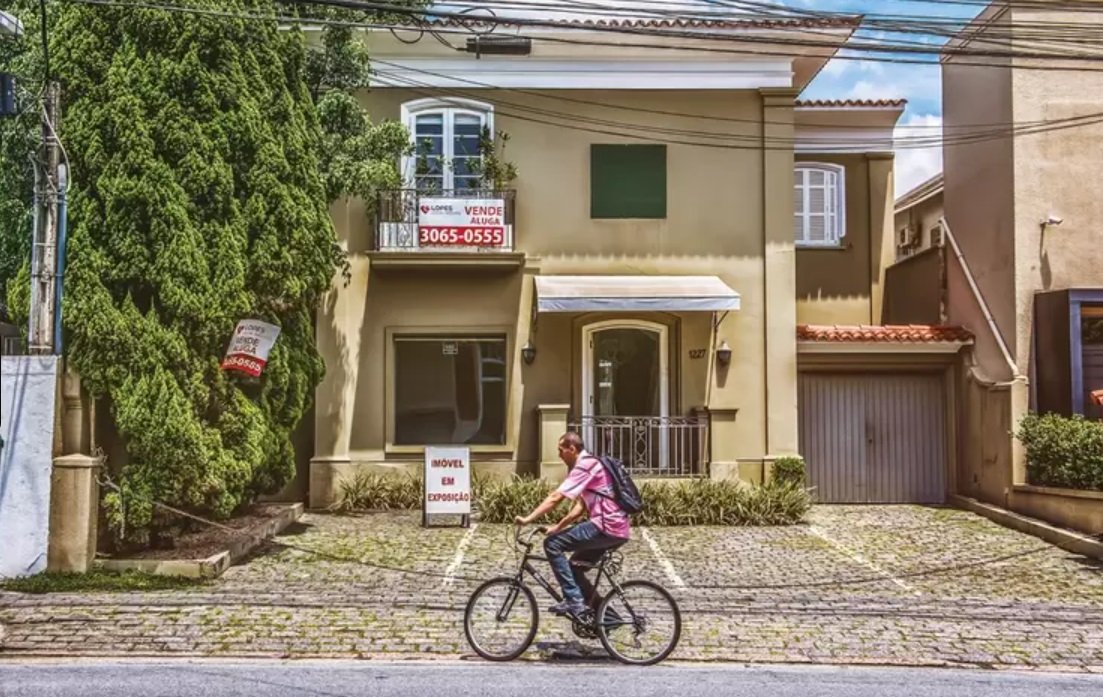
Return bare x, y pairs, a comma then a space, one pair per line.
437, 208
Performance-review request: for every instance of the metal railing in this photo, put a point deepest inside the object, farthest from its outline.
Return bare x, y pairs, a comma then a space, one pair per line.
653, 446
398, 218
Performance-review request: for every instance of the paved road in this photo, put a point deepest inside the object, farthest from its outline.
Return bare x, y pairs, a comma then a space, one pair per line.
349, 678
861, 585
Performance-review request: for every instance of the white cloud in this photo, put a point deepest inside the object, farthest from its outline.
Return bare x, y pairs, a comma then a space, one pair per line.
914, 165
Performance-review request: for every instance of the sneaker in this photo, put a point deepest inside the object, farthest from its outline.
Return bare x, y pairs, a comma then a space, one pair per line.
572, 608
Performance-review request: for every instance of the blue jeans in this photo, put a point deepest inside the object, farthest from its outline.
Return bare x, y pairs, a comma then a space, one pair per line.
588, 544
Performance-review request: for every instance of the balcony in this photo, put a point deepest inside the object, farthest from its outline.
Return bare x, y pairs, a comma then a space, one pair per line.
462, 227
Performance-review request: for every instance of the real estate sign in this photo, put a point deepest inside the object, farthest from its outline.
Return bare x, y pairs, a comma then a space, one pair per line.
457, 222
249, 349
447, 481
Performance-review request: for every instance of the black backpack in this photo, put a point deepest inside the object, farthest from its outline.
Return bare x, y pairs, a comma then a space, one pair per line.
625, 492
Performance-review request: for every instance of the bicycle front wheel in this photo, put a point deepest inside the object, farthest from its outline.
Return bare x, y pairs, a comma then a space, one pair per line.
500, 619
639, 623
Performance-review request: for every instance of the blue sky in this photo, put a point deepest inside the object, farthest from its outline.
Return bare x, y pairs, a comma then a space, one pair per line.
840, 79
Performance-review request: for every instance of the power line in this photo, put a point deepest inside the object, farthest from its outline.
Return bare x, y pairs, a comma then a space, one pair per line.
309, 22
651, 134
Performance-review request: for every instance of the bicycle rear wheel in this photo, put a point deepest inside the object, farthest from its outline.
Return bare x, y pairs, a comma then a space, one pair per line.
639, 623
501, 618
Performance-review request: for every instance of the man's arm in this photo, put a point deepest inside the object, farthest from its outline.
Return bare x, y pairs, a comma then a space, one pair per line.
577, 511
546, 506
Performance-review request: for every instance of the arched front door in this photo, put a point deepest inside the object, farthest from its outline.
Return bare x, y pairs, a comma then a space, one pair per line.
625, 391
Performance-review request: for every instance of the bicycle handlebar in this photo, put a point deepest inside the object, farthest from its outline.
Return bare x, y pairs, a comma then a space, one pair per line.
527, 542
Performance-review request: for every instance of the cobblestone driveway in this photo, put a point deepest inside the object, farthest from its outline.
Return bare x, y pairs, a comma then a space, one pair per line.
889, 585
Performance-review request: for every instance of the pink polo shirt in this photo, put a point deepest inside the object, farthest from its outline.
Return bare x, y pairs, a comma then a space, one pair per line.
586, 479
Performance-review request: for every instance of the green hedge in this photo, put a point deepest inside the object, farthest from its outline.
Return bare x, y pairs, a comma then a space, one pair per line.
697, 502
789, 469
1063, 452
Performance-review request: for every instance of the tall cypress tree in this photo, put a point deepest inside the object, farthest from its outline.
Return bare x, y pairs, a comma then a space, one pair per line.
196, 201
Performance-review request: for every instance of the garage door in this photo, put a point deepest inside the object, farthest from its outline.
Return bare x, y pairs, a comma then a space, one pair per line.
874, 438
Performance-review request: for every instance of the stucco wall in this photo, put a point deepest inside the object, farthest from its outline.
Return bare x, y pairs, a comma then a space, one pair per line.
978, 196
843, 285
719, 222
913, 289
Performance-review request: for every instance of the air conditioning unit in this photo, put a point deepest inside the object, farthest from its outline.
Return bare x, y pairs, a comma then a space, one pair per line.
937, 236
904, 236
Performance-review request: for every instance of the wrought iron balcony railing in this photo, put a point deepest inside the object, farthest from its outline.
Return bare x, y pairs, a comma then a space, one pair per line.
668, 446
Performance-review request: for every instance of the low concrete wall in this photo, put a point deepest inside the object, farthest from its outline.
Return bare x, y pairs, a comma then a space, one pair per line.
1069, 508
28, 395
914, 289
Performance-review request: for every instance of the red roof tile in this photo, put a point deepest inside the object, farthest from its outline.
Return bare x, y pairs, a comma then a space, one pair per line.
851, 102
908, 333
827, 22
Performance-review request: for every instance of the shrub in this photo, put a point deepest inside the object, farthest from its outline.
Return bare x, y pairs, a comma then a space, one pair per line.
367, 491
499, 501
1063, 452
697, 502
789, 469
708, 502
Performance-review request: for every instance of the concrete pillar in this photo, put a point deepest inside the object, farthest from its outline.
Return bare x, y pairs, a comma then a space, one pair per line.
553, 424
723, 444
74, 486
779, 273
882, 247
341, 319
74, 510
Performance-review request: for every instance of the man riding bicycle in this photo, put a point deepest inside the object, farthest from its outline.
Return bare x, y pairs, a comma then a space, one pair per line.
591, 489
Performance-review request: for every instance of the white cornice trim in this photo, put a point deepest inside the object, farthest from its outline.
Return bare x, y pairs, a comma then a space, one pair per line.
851, 347
535, 73
844, 140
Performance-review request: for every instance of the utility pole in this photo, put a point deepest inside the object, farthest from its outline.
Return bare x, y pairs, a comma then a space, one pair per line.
41, 338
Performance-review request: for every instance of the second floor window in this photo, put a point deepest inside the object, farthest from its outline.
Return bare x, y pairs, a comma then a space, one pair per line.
818, 205
447, 137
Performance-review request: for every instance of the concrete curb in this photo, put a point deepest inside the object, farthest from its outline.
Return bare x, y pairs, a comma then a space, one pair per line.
215, 565
1065, 539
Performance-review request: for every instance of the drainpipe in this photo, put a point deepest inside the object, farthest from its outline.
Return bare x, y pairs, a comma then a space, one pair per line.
62, 231
980, 300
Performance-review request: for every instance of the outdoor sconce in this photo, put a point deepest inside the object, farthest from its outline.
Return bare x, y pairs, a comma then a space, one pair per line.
528, 352
724, 353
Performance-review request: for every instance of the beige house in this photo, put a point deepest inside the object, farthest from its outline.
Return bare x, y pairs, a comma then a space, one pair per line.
676, 213
1022, 266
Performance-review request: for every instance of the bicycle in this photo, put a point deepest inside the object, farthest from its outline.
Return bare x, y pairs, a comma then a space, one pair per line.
620, 615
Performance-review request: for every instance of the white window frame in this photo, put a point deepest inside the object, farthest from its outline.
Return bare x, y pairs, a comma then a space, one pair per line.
449, 109
835, 226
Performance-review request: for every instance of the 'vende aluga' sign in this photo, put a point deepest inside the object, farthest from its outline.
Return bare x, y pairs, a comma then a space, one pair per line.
457, 222
249, 349
447, 482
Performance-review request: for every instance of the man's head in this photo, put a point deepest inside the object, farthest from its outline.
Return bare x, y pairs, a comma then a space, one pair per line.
570, 445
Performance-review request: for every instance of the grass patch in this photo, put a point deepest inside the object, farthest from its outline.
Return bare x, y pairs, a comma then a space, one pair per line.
97, 580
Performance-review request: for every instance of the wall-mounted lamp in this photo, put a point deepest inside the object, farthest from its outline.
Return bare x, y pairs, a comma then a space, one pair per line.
528, 352
724, 353
1052, 221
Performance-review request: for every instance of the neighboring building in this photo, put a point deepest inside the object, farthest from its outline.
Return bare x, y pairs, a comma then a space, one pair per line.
1023, 213
675, 215
918, 218
11, 343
